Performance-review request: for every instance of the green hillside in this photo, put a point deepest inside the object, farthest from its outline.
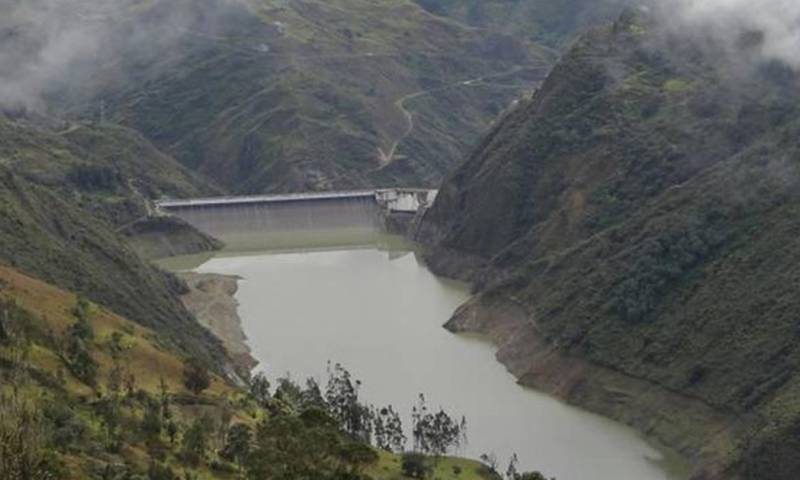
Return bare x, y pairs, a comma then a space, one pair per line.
268, 95
641, 210
86, 393
63, 196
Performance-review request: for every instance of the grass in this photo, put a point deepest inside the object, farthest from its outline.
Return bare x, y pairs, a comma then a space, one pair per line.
145, 358
389, 468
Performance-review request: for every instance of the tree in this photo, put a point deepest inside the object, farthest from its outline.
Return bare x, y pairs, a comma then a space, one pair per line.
195, 441
237, 444
151, 422
163, 390
289, 392
115, 378
80, 334
82, 327
388, 430
23, 443
196, 377
5, 335
436, 433
309, 445
259, 389
511, 471
312, 396
490, 460
172, 430
341, 396
82, 364
108, 410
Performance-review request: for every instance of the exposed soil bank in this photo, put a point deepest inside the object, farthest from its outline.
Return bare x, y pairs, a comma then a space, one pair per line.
707, 439
211, 298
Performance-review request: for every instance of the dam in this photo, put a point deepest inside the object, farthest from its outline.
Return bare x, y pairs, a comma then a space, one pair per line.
337, 218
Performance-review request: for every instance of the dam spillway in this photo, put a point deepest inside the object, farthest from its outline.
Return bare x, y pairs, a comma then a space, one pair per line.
277, 221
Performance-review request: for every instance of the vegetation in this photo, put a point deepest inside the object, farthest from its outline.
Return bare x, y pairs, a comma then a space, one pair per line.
65, 232
133, 420
640, 207
240, 96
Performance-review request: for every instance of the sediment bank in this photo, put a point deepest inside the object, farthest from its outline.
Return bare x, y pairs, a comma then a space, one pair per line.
211, 298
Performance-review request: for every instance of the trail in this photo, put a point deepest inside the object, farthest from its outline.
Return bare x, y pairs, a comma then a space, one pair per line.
387, 157
400, 104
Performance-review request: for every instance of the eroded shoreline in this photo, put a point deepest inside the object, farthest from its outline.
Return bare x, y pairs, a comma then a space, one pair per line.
212, 300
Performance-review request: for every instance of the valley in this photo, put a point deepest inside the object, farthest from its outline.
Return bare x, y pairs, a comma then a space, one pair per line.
551, 238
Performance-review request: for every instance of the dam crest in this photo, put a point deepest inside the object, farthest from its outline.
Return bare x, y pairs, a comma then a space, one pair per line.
327, 218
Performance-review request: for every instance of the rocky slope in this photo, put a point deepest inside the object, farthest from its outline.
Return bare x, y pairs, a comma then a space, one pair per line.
638, 217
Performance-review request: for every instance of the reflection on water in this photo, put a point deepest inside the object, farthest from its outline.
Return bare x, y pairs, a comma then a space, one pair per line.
289, 225
379, 312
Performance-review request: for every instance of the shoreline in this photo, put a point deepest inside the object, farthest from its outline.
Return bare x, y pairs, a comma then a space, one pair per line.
212, 300
686, 430
536, 365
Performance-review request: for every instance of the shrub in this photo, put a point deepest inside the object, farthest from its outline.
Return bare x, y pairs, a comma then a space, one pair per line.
196, 377
416, 465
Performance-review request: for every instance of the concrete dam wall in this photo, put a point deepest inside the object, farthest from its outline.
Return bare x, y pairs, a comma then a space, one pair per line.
308, 219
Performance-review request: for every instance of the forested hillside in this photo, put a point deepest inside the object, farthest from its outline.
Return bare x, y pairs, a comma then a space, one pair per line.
641, 211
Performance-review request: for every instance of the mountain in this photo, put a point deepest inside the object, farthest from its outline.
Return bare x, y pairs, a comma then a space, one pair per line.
631, 232
64, 196
268, 95
553, 23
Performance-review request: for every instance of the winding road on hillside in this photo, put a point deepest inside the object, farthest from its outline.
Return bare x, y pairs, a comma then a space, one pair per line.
386, 158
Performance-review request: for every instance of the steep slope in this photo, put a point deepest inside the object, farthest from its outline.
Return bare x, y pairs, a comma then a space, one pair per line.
61, 205
268, 95
88, 394
633, 227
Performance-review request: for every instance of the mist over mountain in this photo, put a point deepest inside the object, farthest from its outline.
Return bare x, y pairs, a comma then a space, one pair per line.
772, 27
50, 44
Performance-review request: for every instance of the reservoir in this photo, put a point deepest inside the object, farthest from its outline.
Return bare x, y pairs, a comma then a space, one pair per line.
366, 301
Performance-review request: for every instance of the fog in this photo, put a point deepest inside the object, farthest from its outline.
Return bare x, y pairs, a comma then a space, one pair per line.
47, 45
772, 26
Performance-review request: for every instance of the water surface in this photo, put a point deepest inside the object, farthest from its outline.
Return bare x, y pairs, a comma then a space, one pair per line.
378, 311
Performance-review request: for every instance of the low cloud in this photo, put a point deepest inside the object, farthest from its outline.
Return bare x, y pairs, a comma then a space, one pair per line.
56, 45
771, 28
